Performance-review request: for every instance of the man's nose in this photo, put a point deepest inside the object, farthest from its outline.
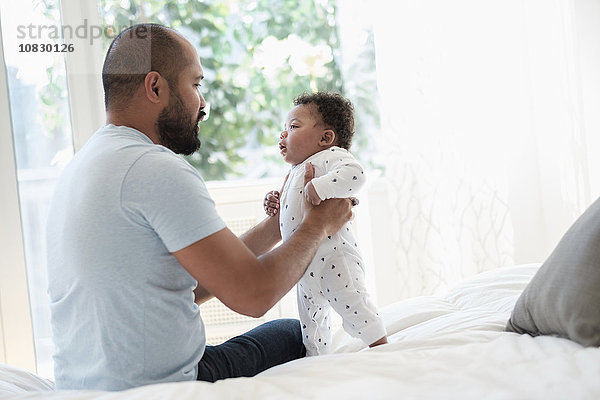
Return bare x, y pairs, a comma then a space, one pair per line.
283, 135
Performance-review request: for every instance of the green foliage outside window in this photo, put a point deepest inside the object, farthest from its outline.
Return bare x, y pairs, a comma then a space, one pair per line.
257, 56
249, 96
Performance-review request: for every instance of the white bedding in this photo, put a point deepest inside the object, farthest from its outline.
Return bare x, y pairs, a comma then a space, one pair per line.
441, 347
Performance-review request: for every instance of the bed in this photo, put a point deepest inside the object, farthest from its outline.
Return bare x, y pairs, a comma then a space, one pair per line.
452, 346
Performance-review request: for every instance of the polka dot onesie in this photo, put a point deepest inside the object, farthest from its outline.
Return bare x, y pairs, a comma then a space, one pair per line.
335, 277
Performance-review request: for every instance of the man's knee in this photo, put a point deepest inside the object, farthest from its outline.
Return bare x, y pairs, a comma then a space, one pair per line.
289, 330
290, 327
289, 324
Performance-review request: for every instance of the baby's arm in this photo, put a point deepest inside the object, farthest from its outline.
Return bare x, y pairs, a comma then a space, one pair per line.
345, 177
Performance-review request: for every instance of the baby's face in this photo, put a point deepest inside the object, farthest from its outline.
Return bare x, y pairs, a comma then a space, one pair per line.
301, 135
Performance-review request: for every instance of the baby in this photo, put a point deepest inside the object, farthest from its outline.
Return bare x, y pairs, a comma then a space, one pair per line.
319, 131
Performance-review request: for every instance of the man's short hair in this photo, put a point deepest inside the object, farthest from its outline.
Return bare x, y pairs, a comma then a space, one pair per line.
336, 112
134, 53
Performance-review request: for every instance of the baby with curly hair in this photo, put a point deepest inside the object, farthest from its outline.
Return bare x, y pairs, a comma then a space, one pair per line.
318, 132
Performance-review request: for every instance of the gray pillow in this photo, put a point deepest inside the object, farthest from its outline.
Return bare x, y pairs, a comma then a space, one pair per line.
563, 298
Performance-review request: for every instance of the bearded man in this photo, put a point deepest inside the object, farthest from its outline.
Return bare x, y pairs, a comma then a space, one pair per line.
135, 243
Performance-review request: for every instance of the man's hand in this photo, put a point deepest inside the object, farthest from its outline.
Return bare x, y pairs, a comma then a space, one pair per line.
229, 268
331, 214
310, 193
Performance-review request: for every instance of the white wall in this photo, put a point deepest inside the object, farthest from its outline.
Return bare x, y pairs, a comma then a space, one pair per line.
587, 51
490, 131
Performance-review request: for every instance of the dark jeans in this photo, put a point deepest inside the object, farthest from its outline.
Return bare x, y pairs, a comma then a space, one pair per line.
270, 344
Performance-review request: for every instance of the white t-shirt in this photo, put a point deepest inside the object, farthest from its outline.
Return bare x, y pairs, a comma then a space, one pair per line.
122, 307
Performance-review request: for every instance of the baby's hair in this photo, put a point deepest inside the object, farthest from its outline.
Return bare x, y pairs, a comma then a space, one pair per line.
336, 111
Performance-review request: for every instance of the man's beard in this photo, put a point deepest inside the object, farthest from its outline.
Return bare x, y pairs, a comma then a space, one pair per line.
175, 130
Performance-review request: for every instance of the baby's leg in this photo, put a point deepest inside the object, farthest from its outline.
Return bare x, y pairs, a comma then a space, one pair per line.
314, 318
344, 287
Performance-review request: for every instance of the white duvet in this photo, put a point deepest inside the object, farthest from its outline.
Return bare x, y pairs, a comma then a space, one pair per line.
441, 347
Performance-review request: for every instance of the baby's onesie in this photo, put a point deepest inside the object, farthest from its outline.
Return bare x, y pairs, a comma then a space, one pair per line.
335, 277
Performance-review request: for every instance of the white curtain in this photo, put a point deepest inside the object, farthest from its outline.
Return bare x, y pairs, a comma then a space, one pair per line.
489, 131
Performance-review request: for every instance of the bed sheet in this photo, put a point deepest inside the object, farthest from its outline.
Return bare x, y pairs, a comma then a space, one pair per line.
452, 347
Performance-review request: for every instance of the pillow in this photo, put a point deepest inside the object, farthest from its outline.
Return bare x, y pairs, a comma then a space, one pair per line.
563, 298
17, 380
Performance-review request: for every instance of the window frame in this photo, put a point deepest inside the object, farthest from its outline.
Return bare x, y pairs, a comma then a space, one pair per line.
85, 97
84, 76
16, 331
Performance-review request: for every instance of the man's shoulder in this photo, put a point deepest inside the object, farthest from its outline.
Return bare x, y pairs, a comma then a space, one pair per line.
161, 167
136, 149
116, 142
160, 159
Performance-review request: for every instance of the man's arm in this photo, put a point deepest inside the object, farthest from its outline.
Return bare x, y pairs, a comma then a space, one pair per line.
262, 237
250, 285
225, 267
201, 295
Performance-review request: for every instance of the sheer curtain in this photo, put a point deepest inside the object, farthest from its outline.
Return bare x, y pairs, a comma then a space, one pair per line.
488, 123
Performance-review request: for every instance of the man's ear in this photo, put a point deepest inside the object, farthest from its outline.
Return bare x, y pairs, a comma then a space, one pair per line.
154, 87
327, 138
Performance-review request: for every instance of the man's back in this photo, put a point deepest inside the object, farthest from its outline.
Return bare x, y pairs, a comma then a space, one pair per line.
122, 306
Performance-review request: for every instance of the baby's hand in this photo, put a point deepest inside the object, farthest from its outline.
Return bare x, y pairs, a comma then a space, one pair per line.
311, 195
271, 203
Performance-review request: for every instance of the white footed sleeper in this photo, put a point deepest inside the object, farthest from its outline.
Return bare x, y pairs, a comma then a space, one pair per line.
335, 277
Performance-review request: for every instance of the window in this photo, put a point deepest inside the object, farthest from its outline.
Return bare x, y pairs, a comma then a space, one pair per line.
43, 143
257, 55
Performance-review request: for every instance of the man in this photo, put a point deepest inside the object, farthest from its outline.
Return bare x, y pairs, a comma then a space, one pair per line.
134, 239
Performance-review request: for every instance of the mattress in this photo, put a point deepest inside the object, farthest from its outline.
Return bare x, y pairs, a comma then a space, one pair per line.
451, 346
